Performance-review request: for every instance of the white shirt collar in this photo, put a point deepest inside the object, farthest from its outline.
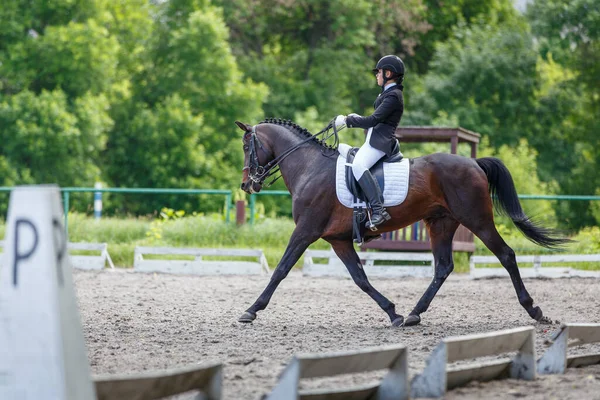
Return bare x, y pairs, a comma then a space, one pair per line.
389, 85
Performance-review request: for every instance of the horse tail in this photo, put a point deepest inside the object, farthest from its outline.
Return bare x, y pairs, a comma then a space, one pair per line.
506, 202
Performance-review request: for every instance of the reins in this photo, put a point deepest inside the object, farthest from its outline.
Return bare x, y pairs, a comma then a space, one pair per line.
259, 174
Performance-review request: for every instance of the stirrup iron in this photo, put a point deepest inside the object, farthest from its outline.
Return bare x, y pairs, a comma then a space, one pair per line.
384, 217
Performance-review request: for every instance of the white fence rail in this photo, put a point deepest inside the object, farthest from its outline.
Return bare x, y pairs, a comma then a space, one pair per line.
540, 269
437, 377
156, 385
90, 262
198, 266
394, 385
556, 360
335, 267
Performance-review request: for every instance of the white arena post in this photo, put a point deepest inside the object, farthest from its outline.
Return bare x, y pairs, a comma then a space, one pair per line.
199, 266
542, 266
437, 377
207, 380
394, 385
92, 262
335, 267
43, 350
556, 360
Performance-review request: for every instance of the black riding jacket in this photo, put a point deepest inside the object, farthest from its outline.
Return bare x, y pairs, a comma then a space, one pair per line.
389, 107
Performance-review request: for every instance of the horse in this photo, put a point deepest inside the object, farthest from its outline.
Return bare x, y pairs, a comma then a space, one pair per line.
445, 190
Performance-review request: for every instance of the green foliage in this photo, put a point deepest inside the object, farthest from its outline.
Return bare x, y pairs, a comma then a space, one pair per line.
144, 93
170, 131
156, 227
568, 33
484, 77
46, 139
319, 53
159, 148
194, 60
588, 240
130, 22
31, 17
444, 16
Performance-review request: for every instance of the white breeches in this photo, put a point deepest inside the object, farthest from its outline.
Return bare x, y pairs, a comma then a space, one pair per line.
365, 157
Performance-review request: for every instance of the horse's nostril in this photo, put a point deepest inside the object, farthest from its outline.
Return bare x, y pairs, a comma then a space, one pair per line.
242, 186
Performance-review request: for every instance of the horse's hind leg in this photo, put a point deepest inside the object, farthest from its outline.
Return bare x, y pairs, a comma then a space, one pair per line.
441, 232
346, 253
486, 231
479, 219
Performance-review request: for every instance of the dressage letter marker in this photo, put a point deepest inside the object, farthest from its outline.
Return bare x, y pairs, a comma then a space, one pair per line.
42, 352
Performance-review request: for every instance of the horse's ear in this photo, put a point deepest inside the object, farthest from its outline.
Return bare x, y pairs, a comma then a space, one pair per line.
244, 127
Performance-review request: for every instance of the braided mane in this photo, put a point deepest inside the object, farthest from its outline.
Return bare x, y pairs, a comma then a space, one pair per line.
297, 129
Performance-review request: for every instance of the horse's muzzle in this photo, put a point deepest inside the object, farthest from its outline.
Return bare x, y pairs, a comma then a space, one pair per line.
250, 187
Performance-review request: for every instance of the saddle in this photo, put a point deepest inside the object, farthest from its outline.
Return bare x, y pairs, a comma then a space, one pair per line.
359, 214
376, 171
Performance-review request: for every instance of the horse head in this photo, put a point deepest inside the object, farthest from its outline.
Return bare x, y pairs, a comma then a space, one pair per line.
253, 173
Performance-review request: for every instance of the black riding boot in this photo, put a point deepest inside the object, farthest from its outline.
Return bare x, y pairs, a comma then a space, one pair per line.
372, 192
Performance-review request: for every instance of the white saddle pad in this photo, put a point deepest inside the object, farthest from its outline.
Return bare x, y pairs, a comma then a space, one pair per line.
396, 180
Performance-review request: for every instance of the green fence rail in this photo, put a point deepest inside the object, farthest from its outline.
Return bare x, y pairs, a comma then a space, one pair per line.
557, 197
66, 193
252, 202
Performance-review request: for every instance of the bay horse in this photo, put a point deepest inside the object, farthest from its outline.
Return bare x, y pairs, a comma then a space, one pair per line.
445, 191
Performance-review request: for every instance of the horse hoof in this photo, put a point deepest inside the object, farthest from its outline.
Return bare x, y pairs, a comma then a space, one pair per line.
247, 317
538, 314
412, 320
398, 321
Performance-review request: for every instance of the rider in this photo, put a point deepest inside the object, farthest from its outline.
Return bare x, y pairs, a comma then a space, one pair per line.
381, 126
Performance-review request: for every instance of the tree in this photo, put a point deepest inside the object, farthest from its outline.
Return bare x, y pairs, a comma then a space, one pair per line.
319, 54
23, 50
444, 17
46, 140
177, 121
160, 147
568, 34
485, 77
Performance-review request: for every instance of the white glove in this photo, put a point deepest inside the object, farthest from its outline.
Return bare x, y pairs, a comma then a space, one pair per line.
340, 122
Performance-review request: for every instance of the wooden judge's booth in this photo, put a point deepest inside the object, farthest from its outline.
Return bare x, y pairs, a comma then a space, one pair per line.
415, 237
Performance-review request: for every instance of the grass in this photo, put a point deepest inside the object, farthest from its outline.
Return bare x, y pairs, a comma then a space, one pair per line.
268, 234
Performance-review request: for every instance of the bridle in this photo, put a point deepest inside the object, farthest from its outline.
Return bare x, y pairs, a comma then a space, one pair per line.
258, 173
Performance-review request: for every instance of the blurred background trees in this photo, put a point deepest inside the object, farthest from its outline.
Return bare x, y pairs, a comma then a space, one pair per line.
140, 93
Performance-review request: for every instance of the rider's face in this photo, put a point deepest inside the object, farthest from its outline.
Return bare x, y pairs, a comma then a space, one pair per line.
379, 77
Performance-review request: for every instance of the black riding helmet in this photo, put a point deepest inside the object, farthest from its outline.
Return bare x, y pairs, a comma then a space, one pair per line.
391, 63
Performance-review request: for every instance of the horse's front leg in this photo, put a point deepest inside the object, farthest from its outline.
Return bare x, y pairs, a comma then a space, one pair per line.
346, 253
299, 242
